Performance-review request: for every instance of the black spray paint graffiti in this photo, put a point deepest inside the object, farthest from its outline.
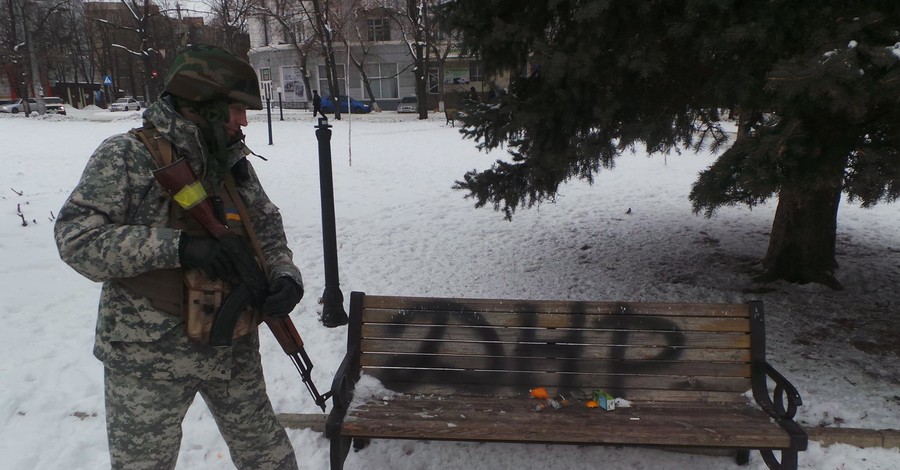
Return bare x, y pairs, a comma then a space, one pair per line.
494, 349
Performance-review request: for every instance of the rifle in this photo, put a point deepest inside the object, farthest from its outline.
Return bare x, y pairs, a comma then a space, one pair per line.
180, 180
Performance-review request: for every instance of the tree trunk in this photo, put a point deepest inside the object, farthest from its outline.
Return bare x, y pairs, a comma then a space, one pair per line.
802, 243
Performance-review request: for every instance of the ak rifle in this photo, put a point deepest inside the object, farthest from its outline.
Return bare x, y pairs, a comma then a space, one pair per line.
252, 284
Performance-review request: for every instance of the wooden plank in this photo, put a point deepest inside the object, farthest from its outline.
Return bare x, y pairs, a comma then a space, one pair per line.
315, 422
515, 390
863, 438
558, 320
396, 379
389, 346
556, 306
632, 367
512, 420
533, 335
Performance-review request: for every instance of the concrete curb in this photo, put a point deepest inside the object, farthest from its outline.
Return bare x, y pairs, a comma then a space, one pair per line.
887, 438
863, 438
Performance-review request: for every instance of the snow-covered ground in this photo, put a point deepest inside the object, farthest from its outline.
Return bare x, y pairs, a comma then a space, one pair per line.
402, 230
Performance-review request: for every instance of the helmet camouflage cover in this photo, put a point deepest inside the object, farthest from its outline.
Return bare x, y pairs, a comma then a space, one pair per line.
203, 73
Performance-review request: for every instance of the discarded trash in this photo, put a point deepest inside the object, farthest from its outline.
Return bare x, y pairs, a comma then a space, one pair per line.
604, 400
556, 403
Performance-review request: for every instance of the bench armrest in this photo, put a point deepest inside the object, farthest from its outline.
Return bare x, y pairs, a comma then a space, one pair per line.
345, 379
342, 392
784, 393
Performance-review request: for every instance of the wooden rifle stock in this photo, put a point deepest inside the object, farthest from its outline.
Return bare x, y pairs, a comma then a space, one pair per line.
180, 180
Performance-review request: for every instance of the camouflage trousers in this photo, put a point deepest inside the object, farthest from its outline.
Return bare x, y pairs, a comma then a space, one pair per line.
143, 420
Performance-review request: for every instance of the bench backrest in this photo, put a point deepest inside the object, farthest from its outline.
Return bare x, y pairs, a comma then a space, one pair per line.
637, 351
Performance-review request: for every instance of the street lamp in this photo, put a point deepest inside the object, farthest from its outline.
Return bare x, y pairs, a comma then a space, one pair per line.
333, 314
280, 107
267, 88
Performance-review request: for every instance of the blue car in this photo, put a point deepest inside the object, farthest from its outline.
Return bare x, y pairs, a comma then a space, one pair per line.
356, 107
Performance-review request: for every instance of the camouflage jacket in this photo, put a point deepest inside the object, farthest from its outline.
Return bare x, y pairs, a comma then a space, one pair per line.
114, 225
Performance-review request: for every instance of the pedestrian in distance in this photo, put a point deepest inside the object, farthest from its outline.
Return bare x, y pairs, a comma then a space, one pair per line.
120, 227
317, 104
473, 95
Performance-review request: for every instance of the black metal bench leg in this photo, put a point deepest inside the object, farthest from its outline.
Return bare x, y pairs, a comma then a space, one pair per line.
742, 457
788, 459
340, 447
360, 444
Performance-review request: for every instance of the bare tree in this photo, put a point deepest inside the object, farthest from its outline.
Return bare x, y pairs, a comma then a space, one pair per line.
321, 20
137, 32
353, 31
230, 18
24, 28
418, 17
294, 23
411, 18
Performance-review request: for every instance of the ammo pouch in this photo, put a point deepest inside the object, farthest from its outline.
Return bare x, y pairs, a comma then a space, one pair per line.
203, 297
189, 294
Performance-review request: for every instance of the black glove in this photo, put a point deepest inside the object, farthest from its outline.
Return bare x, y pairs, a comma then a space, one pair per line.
284, 294
207, 255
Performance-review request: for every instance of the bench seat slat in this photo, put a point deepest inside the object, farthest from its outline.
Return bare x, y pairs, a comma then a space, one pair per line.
397, 379
554, 306
636, 394
535, 335
513, 350
512, 420
585, 366
559, 320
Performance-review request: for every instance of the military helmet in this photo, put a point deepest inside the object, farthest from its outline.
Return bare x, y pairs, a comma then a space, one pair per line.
203, 73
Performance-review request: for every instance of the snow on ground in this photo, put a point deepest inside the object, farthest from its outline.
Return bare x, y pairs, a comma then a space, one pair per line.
402, 230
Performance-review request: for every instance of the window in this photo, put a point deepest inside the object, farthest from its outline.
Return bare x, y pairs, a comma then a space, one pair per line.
265, 74
378, 29
298, 32
383, 80
292, 80
341, 78
433, 81
476, 73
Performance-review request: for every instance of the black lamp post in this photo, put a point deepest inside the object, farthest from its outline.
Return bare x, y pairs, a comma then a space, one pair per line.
333, 314
280, 107
268, 87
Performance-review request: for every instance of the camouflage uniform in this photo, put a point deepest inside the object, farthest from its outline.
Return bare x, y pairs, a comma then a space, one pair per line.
114, 226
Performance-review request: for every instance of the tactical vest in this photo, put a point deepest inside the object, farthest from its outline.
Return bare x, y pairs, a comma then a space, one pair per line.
188, 293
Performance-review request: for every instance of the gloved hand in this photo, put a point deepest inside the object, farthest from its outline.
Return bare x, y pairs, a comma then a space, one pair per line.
284, 294
207, 255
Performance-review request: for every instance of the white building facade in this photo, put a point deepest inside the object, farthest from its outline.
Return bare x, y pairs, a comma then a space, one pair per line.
379, 42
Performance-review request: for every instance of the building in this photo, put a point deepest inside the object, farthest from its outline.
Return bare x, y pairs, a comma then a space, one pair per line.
373, 54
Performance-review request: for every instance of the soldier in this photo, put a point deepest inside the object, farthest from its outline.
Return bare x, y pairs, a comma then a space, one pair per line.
120, 227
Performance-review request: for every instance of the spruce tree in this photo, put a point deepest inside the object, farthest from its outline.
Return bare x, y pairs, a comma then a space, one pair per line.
815, 84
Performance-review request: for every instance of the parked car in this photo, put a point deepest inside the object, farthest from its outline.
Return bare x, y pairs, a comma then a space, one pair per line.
53, 105
16, 106
356, 107
125, 104
408, 104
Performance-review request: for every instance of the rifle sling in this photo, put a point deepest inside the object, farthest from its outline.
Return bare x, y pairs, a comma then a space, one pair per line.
159, 147
245, 219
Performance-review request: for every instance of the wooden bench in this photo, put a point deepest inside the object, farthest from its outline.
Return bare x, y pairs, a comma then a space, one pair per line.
463, 370
451, 114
